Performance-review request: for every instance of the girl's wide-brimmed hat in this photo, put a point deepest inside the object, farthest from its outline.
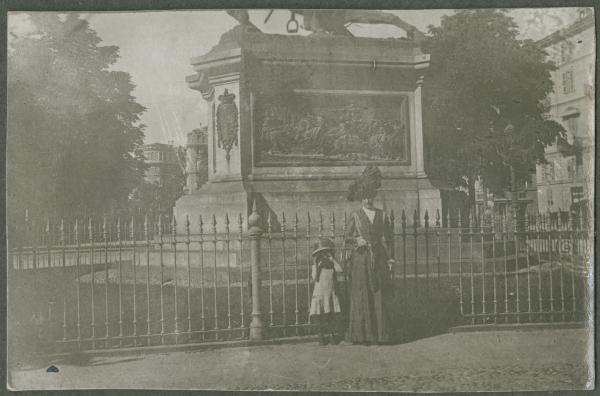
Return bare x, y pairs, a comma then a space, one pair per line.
366, 185
322, 245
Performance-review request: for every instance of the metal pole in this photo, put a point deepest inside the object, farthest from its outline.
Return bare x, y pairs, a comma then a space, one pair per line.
201, 242
174, 243
437, 235
415, 237
133, 265
284, 270
427, 250
93, 274
241, 265
147, 237
403, 222
162, 280
254, 232
296, 263
120, 279
64, 273
227, 239
526, 228
269, 229
460, 274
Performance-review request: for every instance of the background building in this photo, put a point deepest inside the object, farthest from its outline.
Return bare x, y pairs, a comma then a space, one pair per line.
498, 204
567, 179
162, 161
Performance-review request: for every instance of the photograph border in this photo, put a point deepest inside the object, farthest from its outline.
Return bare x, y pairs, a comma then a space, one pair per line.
7, 6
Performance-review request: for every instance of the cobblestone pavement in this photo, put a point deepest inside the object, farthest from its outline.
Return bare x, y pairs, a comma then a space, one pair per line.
479, 361
499, 378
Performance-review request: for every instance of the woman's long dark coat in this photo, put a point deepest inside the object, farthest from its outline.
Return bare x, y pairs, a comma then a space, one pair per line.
369, 283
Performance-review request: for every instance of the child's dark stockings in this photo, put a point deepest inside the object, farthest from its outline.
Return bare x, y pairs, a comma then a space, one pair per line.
327, 329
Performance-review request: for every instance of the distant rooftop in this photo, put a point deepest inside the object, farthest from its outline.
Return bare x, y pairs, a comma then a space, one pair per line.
585, 21
158, 146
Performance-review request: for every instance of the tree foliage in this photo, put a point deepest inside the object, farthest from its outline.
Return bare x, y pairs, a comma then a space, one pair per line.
483, 109
73, 125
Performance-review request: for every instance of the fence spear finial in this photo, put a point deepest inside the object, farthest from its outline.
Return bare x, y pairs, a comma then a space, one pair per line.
146, 233
174, 228
62, 231
403, 219
187, 228
76, 231
269, 223
119, 228
160, 228
320, 223
283, 224
104, 230
332, 224
415, 219
200, 226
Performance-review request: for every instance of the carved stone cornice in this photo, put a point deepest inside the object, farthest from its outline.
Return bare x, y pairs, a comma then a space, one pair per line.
199, 82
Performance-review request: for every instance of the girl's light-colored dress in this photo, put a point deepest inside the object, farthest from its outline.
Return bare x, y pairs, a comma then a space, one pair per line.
324, 300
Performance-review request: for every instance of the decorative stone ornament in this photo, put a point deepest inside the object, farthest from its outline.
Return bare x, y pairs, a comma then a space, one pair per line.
227, 122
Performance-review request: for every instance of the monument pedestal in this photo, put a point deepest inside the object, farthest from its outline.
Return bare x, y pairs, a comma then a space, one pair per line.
214, 199
293, 120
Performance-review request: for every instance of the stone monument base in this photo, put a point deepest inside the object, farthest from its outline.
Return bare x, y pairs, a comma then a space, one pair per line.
319, 198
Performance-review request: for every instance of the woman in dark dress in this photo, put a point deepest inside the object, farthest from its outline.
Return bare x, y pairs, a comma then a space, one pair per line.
369, 265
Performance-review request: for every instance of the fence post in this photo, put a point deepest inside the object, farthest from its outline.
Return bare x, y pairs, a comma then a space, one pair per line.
254, 232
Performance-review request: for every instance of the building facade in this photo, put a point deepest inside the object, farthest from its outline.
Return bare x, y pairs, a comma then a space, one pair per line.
162, 162
565, 183
498, 204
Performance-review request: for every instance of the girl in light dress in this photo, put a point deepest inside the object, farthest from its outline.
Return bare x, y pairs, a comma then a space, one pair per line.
325, 304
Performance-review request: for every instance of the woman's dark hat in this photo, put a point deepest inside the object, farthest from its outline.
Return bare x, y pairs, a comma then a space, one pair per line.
366, 185
322, 245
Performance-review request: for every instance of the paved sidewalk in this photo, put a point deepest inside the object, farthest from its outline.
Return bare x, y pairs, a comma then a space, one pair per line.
491, 360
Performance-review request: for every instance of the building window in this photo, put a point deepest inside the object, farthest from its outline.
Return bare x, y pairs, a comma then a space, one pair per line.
549, 196
571, 168
568, 83
566, 51
576, 194
549, 171
579, 158
572, 123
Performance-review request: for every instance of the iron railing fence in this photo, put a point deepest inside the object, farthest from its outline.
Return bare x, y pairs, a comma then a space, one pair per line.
141, 282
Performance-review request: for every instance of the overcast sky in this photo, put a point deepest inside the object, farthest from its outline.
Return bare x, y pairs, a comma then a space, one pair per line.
156, 47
